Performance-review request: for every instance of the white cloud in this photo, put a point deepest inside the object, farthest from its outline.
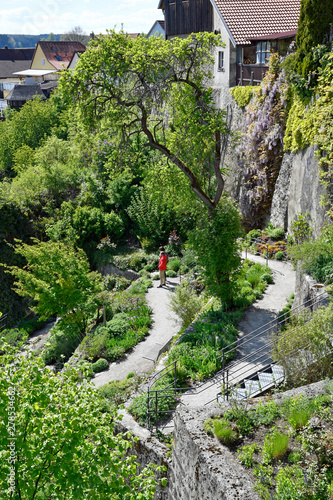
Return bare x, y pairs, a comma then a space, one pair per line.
59, 16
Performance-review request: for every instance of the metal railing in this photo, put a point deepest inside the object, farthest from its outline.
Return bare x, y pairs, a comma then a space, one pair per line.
256, 360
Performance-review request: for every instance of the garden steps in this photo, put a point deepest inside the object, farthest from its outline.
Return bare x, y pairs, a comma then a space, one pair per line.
255, 383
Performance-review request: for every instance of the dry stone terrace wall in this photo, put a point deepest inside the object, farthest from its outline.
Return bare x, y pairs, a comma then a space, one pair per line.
201, 467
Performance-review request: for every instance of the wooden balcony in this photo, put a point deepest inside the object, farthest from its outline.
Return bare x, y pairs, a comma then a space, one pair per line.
250, 74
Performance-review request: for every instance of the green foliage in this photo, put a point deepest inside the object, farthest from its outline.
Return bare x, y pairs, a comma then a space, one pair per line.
215, 242
14, 336
303, 348
275, 446
124, 94
84, 225
300, 227
129, 325
245, 455
56, 277
279, 255
115, 282
185, 303
27, 127
100, 365
277, 233
225, 432
174, 264
118, 392
243, 95
152, 218
298, 412
60, 464
313, 26
65, 338
14, 222
31, 325
316, 256
290, 484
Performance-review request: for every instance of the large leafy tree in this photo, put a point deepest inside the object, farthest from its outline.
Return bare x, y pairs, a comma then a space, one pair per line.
156, 88
58, 279
57, 440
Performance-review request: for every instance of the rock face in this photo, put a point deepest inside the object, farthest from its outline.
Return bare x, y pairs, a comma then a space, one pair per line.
298, 187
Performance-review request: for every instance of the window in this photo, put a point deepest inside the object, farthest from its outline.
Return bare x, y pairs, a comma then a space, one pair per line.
43, 61
58, 58
263, 52
221, 60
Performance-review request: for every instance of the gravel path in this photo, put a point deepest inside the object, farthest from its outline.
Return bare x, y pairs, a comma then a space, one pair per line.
142, 358
255, 317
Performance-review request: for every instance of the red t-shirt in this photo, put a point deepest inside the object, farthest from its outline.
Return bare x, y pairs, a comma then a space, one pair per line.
163, 262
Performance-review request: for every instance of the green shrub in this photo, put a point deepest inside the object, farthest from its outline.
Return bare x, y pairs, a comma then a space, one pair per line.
253, 234
137, 261
185, 303
298, 411
171, 274
243, 95
64, 339
267, 278
276, 233
100, 365
304, 347
245, 455
253, 276
31, 325
118, 325
94, 344
14, 336
279, 255
225, 432
174, 264
275, 446
118, 392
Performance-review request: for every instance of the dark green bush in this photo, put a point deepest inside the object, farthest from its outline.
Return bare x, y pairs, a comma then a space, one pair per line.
14, 336
94, 344
171, 274
100, 365
64, 339
31, 325
267, 278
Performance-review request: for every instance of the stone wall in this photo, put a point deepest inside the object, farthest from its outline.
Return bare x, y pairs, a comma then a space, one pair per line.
308, 291
202, 468
109, 269
298, 187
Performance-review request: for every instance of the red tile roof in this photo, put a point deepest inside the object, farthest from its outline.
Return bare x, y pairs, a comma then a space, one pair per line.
60, 54
248, 19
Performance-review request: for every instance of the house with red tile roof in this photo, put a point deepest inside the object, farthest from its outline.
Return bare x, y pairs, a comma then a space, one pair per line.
251, 30
55, 55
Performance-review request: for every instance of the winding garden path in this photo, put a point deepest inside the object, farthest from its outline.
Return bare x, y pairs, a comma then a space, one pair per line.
142, 358
256, 316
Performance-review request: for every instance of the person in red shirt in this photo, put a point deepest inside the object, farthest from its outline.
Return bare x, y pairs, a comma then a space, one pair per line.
162, 267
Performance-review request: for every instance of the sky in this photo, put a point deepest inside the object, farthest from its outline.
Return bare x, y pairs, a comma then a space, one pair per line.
33, 17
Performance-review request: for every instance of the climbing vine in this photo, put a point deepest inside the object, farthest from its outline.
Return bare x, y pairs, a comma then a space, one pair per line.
261, 144
310, 124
